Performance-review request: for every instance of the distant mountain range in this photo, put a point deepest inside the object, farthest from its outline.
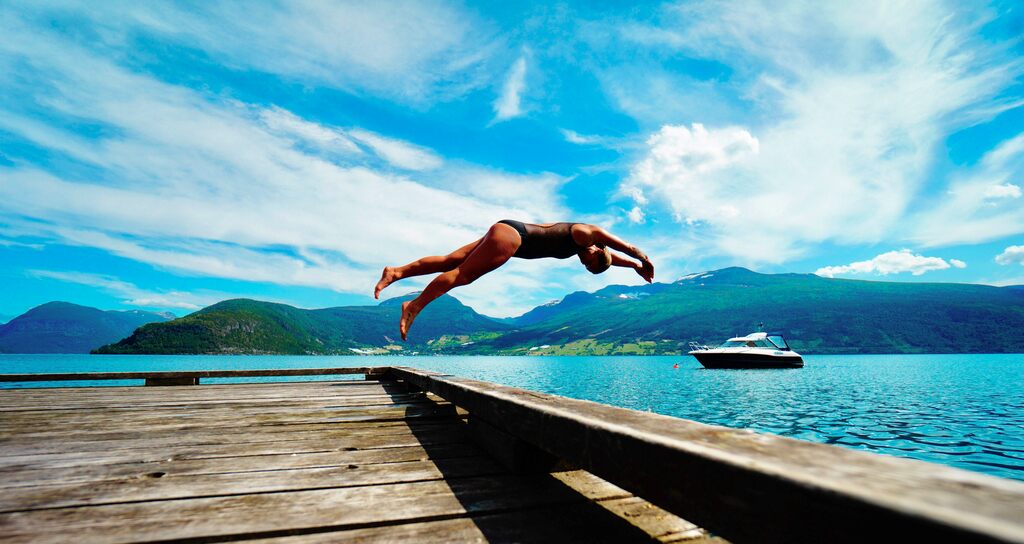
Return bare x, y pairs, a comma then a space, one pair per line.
62, 327
818, 315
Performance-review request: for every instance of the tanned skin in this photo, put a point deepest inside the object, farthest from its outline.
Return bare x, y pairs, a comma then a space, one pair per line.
464, 265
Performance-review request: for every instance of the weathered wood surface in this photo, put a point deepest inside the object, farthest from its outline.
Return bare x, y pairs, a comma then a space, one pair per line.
169, 375
295, 462
743, 485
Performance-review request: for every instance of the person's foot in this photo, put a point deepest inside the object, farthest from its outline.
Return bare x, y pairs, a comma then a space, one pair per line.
409, 313
387, 277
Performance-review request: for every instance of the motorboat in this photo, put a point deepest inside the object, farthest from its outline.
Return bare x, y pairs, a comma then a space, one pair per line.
756, 350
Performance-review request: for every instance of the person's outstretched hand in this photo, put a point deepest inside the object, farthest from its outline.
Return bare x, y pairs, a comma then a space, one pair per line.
646, 270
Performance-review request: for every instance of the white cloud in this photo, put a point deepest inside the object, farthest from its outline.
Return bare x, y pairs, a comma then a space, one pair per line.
414, 51
979, 204
1010, 255
1006, 190
285, 122
678, 163
636, 215
200, 185
133, 295
574, 137
850, 105
399, 153
13, 243
892, 262
508, 104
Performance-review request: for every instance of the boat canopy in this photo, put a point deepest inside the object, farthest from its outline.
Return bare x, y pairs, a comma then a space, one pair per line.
750, 337
772, 340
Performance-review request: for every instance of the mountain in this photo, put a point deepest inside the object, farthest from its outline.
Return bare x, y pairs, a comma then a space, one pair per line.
253, 327
4, 318
62, 327
818, 315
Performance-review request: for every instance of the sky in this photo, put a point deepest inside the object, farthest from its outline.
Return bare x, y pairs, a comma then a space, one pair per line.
168, 155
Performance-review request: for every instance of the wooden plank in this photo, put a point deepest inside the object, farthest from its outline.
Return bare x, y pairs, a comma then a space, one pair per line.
156, 401
249, 373
784, 490
28, 477
12, 422
243, 431
242, 408
144, 455
660, 524
40, 396
242, 435
560, 523
284, 513
271, 386
165, 486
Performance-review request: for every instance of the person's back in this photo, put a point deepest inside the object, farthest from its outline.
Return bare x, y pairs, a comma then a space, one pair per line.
551, 240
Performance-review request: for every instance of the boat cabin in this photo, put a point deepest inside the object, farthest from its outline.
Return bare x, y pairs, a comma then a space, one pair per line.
769, 340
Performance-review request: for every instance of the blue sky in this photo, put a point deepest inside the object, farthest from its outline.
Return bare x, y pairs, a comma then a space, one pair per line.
167, 155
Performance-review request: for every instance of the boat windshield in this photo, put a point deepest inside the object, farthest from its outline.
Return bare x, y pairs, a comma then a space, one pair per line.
779, 341
748, 344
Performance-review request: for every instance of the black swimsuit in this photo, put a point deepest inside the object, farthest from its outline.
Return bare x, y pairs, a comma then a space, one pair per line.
539, 242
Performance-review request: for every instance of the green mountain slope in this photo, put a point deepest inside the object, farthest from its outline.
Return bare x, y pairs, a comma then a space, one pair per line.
62, 327
818, 315
250, 326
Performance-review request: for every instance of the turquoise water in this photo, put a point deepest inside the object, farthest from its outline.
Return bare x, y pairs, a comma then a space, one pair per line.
961, 410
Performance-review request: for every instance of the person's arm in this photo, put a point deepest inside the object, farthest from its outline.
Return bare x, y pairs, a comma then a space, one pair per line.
600, 237
619, 260
594, 235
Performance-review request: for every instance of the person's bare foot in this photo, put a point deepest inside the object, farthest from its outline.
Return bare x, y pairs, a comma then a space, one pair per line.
387, 277
409, 313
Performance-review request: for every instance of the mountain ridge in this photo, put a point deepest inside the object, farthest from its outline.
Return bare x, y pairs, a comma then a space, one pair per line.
246, 326
819, 315
64, 327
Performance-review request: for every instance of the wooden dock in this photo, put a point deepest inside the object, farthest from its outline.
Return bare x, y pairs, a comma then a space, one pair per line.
409, 455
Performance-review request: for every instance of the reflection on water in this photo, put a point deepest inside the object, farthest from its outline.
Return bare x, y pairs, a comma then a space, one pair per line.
961, 410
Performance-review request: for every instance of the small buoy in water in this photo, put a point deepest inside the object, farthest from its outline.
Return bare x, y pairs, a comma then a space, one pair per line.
675, 365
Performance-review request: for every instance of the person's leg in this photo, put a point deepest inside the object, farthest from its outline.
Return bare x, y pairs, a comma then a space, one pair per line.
494, 250
426, 265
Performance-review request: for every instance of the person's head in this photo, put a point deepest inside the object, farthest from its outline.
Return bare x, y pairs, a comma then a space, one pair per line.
596, 259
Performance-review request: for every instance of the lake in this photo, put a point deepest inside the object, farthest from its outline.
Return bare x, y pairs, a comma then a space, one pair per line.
961, 410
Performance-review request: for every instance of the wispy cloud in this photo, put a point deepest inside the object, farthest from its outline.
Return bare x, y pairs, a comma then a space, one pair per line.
26, 245
1010, 255
397, 152
508, 104
980, 202
415, 51
574, 137
197, 184
286, 123
850, 105
893, 262
129, 292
